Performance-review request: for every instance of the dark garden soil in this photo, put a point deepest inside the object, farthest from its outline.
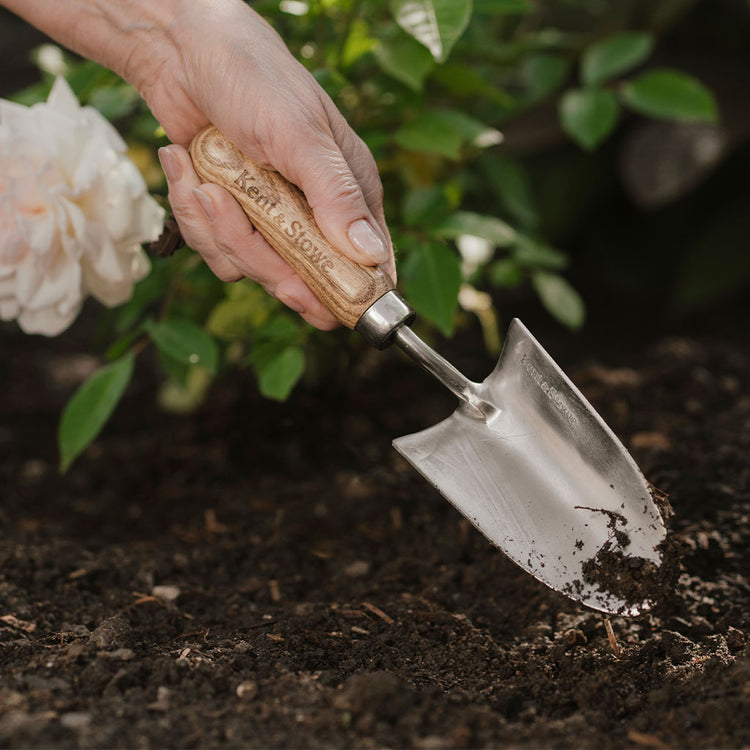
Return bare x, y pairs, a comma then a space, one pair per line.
262, 575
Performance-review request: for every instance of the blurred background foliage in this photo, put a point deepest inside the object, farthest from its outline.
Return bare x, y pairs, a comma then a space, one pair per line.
582, 157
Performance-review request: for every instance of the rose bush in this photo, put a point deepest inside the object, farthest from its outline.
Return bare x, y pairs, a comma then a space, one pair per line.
73, 212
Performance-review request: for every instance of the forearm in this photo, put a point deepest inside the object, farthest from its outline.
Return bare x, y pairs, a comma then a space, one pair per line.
175, 52
115, 33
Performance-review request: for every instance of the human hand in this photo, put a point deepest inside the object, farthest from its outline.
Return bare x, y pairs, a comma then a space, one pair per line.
235, 72
200, 62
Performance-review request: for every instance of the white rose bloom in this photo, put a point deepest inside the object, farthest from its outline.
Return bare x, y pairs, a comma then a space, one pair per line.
74, 211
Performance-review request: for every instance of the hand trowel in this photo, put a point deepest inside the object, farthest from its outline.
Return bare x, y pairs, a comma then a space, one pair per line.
525, 458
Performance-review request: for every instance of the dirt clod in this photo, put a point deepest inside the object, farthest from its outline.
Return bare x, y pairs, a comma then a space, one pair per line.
112, 633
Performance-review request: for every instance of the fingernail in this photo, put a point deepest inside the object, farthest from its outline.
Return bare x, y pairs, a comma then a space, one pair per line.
206, 203
368, 241
170, 163
291, 302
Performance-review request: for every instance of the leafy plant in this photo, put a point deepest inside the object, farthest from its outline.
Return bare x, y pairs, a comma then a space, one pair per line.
429, 85
590, 113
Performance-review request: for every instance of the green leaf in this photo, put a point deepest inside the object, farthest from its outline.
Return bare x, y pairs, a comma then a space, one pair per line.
122, 344
496, 231
670, 94
510, 182
534, 254
505, 272
176, 370
404, 59
282, 328
588, 116
90, 408
559, 298
445, 132
115, 102
246, 308
615, 55
543, 74
278, 370
424, 207
358, 43
87, 76
437, 24
432, 277
429, 133
466, 82
508, 7
185, 342
473, 131
37, 92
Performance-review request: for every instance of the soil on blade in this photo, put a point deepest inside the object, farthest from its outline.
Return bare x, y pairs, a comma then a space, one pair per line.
639, 582
261, 575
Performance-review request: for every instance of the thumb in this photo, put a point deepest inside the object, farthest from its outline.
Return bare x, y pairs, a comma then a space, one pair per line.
340, 208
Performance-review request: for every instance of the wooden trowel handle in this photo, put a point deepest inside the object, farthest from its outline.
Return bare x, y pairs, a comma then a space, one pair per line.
279, 211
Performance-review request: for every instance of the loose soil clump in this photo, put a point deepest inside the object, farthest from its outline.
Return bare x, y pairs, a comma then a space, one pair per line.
639, 582
262, 575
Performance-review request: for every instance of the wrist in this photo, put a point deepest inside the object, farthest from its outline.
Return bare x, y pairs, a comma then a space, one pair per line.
120, 34
132, 38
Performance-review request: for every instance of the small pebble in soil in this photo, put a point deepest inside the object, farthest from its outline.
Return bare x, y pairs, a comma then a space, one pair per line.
161, 703
75, 720
166, 593
357, 569
247, 690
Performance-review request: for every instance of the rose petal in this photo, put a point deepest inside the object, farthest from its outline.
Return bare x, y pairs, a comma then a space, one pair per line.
47, 321
7, 287
62, 98
62, 284
9, 308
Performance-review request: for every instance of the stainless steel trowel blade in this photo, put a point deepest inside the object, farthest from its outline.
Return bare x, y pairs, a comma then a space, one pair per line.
544, 478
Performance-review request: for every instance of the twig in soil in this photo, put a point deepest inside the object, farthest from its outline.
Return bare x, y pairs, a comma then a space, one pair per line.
273, 586
378, 612
212, 525
257, 625
611, 638
14, 622
190, 651
145, 598
647, 740
397, 520
79, 573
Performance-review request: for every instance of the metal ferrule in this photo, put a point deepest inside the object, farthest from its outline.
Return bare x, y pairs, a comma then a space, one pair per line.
383, 318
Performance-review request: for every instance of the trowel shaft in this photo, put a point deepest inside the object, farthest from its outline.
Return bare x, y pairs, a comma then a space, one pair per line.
445, 372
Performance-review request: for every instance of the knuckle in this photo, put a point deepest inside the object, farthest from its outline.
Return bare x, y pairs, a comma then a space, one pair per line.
225, 247
228, 275
344, 188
